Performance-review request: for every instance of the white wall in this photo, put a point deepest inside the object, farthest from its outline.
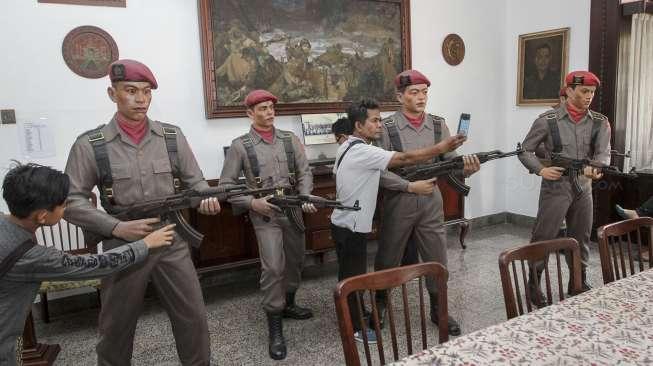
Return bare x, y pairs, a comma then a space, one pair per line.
527, 16
35, 81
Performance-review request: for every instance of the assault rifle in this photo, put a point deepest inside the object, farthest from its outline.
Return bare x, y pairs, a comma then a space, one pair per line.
574, 168
449, 168
170, 207
289, 202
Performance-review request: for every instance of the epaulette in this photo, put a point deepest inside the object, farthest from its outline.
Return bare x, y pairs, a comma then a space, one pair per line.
599, 116
387, 120
550, 111
436, 117
92, 130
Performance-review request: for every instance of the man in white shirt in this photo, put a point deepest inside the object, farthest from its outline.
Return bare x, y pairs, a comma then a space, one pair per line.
358, 168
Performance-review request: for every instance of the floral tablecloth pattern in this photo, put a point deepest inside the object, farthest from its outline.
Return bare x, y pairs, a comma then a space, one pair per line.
610, 325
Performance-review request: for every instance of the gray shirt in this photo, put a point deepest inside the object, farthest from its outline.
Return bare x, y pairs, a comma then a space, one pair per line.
412, 138
273, 165
140, 172
576, 139
20, 285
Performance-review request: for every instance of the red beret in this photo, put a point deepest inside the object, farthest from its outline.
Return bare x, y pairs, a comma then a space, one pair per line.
582, 78
563, 91
130, 70
410, 77
259, 96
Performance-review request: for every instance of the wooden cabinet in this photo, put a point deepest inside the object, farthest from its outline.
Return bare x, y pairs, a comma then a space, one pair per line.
230, 240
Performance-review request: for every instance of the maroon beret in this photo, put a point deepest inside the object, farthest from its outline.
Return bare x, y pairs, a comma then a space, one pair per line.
410, 77
563, 91
259, 96
582, 78
130, 70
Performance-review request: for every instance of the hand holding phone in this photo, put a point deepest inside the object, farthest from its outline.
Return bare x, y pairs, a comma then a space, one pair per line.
463, 124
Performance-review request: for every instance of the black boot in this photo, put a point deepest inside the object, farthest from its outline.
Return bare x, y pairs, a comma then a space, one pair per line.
277, 345
293, 311
453, 326
535, 293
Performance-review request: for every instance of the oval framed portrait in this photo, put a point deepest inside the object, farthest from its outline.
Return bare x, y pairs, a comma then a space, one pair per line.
88, 51
453, 49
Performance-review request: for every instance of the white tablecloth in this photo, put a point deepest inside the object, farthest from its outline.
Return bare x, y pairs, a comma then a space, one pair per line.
610, 325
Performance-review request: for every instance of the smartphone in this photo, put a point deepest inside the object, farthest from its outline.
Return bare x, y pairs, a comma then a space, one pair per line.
463, 124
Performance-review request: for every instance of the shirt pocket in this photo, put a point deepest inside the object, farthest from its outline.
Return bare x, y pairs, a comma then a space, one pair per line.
122, 178
587, 146
162, 177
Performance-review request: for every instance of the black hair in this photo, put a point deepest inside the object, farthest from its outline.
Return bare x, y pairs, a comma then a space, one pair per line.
342, 127
30, 187
357, 112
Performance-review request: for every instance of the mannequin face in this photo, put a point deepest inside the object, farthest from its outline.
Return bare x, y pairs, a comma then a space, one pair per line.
132, 98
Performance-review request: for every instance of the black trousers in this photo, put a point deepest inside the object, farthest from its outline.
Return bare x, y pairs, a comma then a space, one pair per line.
646, 209
351, 250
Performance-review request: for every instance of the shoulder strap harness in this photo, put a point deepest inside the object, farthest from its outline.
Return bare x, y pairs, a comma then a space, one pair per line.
356, 142
290, 157
393, 134
437, 132
170, 137
246, 139
552, 121
99, 145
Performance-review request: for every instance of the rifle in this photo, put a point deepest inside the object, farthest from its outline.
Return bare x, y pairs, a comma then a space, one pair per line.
574, 168
286, 202
170, 207
449, 168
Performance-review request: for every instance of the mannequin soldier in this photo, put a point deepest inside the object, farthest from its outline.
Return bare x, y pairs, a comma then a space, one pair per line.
132, 159
579, 133
413, 211
272, 157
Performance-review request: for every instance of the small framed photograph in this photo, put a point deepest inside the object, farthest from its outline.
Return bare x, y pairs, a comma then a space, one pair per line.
543, 58
317, 128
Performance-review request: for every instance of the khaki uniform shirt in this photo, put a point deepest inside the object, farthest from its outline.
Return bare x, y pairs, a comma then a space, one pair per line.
411, 139
140, 172
273, 166
576, 139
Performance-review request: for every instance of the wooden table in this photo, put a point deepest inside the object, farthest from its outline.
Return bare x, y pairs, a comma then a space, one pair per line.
609, 325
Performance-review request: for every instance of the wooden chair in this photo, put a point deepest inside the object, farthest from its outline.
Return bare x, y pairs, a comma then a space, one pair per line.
382, 280
68, 238
533, 253
620, 245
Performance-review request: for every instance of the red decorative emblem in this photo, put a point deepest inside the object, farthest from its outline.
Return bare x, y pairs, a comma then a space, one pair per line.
88, 51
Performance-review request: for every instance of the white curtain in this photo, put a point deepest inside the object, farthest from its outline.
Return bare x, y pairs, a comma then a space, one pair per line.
637, 93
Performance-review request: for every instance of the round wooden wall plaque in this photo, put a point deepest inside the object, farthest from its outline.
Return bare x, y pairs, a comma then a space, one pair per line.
88, 51
453, 49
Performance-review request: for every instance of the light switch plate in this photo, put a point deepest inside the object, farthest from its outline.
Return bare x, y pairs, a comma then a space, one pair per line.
8, 116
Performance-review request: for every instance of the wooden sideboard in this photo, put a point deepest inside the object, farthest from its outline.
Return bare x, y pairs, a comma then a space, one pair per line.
230, 241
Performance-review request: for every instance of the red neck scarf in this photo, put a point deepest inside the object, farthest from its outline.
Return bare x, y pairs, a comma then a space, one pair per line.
575, 114
415, 121
267, 136
135, 130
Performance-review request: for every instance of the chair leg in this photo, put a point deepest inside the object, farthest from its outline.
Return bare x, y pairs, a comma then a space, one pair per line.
45, 313
99, 297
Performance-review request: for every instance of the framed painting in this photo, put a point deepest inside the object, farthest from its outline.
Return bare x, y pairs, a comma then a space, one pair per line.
113, 3
543, 59
316, 56
317, 128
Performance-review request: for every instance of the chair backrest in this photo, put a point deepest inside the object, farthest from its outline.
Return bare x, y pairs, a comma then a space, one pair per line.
388, 280
65, 236
518, 302
620, 246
